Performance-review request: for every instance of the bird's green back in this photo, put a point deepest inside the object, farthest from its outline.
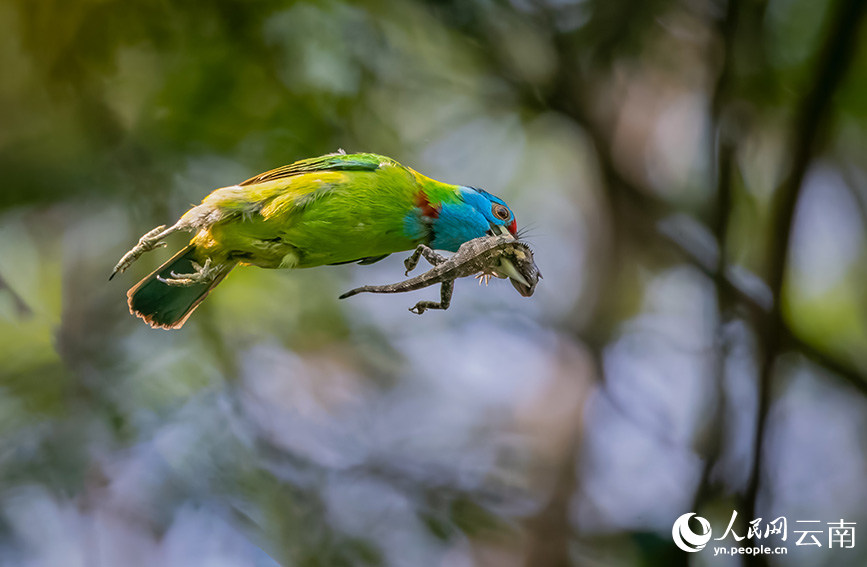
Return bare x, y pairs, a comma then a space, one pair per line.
325, 210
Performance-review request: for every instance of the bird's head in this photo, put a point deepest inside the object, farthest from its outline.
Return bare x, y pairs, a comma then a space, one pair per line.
500, 218
470, 213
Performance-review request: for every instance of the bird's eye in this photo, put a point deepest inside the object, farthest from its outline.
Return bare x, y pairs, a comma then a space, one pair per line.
500, 211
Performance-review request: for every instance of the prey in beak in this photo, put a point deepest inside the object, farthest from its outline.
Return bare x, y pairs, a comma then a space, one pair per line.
524, 276
502, 256
518, 265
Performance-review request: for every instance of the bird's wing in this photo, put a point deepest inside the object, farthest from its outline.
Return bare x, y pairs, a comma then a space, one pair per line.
329, 162
363, 261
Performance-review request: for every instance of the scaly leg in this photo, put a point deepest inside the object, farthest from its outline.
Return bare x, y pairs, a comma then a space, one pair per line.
428, 254
204, 274
151, 240
446, 290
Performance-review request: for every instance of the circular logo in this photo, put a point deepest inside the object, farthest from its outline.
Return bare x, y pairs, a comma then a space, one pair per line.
685, 538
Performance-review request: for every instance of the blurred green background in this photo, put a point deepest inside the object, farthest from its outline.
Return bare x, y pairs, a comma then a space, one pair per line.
693, 176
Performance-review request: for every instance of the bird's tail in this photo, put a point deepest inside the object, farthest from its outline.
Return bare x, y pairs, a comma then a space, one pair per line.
165, 306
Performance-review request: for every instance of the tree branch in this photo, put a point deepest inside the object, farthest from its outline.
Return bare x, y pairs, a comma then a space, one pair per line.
811, 125
722, 154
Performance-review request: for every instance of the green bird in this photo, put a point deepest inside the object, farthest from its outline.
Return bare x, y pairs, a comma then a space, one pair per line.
333, 209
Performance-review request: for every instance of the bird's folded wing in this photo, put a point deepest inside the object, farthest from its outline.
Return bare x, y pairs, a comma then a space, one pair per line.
330, 162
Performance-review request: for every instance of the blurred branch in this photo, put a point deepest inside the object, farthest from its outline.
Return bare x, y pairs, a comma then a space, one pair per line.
550, 529
789, 339
811, 124
21, 306
567, 98
569, 95
550, 546
640, 201
853, 176
722, 154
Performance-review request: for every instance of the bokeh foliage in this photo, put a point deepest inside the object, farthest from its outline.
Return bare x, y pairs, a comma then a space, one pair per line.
693, 176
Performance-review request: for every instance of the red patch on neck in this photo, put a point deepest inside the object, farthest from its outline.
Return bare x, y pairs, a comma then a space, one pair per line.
423, 203
513, 228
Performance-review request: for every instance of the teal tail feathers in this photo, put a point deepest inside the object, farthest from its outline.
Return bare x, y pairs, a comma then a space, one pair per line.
168, 307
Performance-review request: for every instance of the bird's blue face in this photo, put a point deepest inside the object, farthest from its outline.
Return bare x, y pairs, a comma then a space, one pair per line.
478, 214
495, 210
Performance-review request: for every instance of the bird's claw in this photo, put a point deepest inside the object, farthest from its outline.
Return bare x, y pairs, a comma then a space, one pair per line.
203, 274
151, 240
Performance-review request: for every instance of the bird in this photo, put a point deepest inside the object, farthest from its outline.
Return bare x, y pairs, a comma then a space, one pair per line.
337, 208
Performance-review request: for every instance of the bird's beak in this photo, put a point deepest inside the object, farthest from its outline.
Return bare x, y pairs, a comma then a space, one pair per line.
508, 269
498, 229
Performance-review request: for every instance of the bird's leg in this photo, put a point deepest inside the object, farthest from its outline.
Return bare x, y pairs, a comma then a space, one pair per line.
204, 274
428, 254
446, 290
146, 243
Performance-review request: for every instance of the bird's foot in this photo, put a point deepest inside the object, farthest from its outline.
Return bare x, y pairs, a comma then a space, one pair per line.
204, 274
146, 243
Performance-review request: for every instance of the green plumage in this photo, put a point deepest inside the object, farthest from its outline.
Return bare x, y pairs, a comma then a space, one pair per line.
319, 211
